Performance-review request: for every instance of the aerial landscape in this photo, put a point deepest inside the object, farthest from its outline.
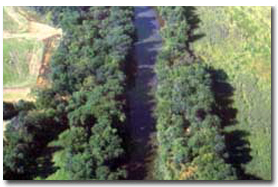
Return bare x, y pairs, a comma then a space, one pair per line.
137, 93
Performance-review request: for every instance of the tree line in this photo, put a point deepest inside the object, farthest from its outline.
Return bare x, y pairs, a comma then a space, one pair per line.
82, 109
190, 144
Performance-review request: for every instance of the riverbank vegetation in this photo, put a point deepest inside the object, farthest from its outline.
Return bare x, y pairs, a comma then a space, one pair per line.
190, 143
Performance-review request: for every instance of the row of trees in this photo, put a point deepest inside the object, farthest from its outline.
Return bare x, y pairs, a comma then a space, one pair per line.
84, 104
190, 144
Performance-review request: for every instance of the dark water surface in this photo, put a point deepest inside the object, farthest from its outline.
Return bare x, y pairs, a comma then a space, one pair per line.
141, 99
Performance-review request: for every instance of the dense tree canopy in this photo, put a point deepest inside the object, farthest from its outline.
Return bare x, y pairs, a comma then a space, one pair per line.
190, 145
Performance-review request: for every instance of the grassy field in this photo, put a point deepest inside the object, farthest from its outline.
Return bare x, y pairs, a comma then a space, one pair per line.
238, 41
17, 55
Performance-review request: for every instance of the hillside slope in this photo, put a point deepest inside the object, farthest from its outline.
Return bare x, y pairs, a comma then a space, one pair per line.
24, 47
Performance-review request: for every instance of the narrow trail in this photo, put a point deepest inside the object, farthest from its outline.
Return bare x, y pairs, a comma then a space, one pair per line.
33, 29
36, 31
14, 94
16, 89
140, 96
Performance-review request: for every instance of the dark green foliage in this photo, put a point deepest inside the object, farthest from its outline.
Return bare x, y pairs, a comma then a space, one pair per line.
54, 13
179, 31
9, 111
22, 105
88, 159
190, 144
25, 136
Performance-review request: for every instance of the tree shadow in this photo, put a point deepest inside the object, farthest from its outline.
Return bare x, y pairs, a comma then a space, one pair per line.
44, 152
36, 152
45, 166
238, 148
223, 93
193, 21
237, 145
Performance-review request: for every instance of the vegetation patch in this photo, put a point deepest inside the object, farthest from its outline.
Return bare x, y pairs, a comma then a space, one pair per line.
238, 41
